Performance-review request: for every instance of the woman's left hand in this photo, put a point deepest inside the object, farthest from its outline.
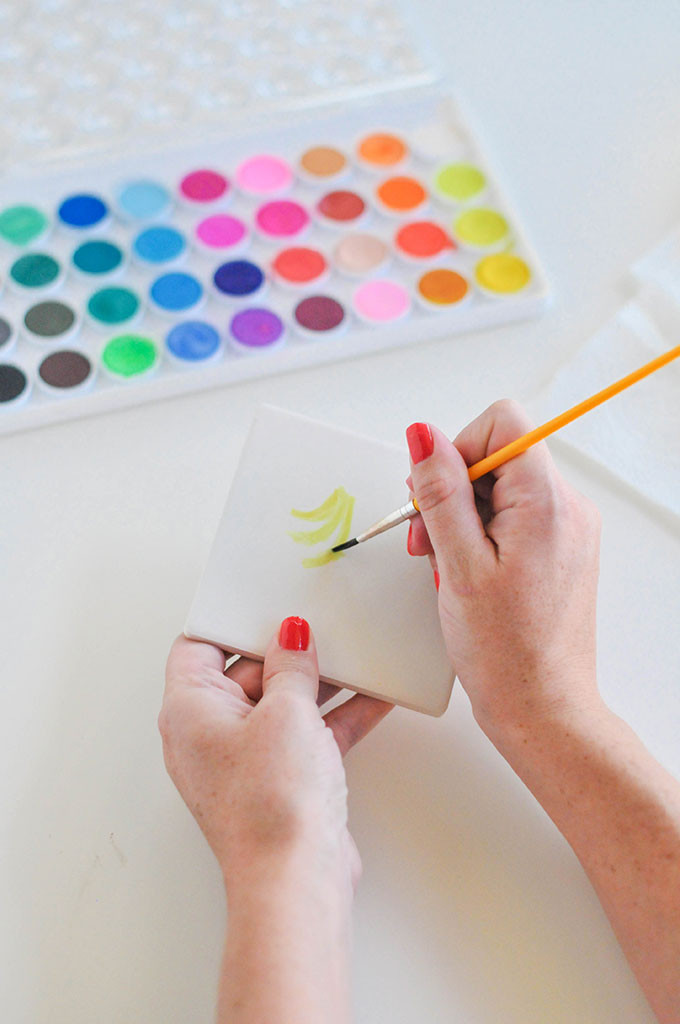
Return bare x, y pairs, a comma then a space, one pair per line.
257, 764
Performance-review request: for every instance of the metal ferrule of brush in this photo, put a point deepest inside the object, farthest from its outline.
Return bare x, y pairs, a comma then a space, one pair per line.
405, 512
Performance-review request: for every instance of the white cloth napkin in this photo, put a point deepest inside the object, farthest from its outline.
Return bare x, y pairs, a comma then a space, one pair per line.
636, 434
661, 266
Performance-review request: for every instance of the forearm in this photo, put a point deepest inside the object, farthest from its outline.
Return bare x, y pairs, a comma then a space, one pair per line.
286, 957
620, 811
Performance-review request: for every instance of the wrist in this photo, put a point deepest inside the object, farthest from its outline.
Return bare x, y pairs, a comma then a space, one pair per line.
288, 941
302, 866
526, 693
563, 702
543, 733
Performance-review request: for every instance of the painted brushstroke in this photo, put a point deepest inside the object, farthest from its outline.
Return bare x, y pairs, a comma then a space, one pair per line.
335, 513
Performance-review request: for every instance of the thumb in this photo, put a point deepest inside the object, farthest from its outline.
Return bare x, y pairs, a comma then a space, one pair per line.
446, 500
290, 662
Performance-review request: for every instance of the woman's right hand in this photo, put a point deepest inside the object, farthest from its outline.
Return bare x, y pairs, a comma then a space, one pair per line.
517, 553
516, 560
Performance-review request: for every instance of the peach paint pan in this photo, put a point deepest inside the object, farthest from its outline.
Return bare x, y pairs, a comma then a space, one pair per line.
328, 223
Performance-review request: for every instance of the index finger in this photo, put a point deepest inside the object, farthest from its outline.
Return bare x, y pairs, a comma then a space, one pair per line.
194, 666
503, 422
190, 661
351, 721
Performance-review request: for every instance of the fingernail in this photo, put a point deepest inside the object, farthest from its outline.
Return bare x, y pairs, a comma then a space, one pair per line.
294, 634
436, 579
409, 539
420, 441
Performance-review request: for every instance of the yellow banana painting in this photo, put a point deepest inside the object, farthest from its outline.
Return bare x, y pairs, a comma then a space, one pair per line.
335, 513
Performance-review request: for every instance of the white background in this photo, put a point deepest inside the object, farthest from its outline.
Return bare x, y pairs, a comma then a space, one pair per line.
472, 908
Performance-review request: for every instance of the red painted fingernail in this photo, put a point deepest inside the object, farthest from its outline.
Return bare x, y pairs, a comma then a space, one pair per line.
294, 634
436, 579
420, 441
410, 540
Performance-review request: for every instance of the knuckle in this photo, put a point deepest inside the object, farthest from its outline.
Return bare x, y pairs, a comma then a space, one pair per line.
509, 412
170, 720
550, 508
504, 407
285, 669
552, 501
571, 525
434, 491
509, 418
183, 730
583, 513
286, 704
163, 722
167, 727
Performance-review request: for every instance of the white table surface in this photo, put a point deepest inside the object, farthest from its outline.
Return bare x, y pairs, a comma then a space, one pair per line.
472, 908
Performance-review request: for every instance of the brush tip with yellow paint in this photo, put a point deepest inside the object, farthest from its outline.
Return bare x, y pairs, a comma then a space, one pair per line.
407, 511
343, 547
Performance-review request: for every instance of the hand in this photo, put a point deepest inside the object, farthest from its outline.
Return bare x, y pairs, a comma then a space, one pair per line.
516, 555
517, 558
258, 766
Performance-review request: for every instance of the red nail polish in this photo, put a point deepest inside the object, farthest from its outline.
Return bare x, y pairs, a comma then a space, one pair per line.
420, 441
294, 634
409, 539
436, 579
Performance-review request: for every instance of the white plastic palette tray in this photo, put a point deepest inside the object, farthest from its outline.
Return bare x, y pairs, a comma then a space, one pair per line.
166, 319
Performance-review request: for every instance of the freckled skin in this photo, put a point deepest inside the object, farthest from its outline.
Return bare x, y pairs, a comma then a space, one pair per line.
261, 770
516, 558
517, 555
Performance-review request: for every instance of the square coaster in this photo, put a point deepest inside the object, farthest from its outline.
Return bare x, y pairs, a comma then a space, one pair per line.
372, 609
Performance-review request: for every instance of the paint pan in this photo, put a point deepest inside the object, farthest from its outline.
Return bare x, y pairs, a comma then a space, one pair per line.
320, 316
65, 372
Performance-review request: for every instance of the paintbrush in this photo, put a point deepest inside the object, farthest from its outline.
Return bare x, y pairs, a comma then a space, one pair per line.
510, 451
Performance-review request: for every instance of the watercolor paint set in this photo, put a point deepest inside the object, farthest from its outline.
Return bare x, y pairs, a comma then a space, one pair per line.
141, 272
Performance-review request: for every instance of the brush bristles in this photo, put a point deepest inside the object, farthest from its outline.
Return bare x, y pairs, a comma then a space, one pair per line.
347, 544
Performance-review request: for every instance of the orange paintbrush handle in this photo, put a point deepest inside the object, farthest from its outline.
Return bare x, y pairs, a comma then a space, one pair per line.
539, 433
509, 451
522, 443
